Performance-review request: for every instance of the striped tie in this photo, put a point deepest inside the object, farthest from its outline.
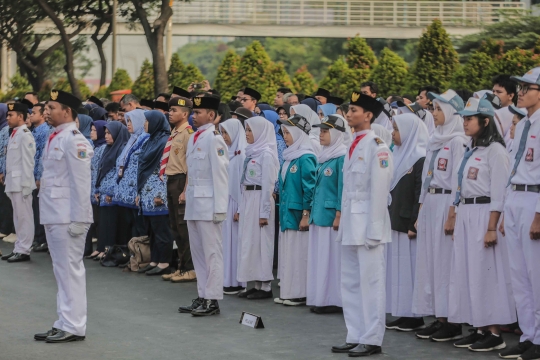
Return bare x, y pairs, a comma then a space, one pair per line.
165, 156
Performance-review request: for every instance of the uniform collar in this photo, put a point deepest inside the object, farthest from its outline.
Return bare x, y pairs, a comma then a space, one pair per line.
534, 116
63, 126
182, 127
363, 132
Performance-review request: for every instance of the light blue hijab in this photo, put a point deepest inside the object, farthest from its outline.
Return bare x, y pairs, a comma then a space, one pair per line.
137, 121
328, 109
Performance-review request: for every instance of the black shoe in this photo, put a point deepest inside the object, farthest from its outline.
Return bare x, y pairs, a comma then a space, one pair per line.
91, 257
533, 353
188, 309
44, 336
430, 330
447, 333
207, 308
5, 257
392, 325
158, 271
365, 350
326, 309
343, 348
411, 324
41, 247
63, 337
246, 293
18, 258
489, 342
469, 340
261, 294
144, 269
233, 290
515, 351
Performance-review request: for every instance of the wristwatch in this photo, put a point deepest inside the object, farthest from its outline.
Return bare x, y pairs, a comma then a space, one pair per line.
305, 213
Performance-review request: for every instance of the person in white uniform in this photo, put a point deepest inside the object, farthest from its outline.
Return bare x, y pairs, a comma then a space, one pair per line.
364, 230
66, 213
522, 218
207, 199
436, 218
235, 137
19, 181
480, 291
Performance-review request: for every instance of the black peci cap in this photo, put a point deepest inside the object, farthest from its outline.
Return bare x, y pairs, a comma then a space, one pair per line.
323, 92
65, 98
95, 100
178, 91
18, 107
367, 103
209, 102
336, 100
147, 103
253, 93
161, 105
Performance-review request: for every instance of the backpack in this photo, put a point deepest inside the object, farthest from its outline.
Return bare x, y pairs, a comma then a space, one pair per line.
139, 248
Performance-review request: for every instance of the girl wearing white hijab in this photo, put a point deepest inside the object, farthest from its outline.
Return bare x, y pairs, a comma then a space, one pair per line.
296, 183
437, 217
313, 119
410, 137
324, 255
235, 137
257, 208
383, 133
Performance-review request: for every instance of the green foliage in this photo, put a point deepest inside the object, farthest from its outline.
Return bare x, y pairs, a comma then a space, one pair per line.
341, 80
476, 73
390, 74
45, 90
278, 78
359, 54
436, 61
63, 84
254, 71
303, 81
208, 55
18, 88
227, 76
192, 74
120, 81
103, 92
175, 72
143, 87
517, 62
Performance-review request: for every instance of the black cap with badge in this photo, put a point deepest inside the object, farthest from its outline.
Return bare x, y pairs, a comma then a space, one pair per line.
207, 102
299, 121
332, 122
367, 103
18, 107
65, 98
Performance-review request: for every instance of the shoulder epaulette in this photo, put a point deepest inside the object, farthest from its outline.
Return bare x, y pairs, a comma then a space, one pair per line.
75, 132
190, 130
378, 141
216, 133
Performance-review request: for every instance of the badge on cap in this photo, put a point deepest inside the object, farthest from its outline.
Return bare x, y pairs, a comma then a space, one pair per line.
294, 169
355, 96
328, 172
11, 107
197, 101
221, 152
181, 102
54, 95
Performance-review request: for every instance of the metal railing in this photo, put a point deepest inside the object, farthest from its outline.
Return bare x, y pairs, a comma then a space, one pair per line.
344, 13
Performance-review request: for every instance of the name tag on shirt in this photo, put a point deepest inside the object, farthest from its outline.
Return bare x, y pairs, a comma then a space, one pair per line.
473, 173
529, 156
442, 164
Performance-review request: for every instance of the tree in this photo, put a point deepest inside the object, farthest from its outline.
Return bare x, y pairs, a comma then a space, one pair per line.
175, 72
303, 81
437, 59
359, 54
278, 78
18, 88
143, 87
120, 81
517, 62
254, 70
191, 75
64, 85
227, 76
341, 80
476, 73
390, 74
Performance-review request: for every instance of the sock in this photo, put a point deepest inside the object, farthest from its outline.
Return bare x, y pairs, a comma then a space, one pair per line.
266, 286
480, 332
258, 285
497, 335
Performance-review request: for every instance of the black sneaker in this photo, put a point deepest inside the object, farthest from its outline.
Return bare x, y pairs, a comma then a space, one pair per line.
207, 308
392, 325
430, 330
469, 340
489, 342
261, 294
248, 292
188, 309
233, 290
447, 333
515, 351
533, 353
411, 324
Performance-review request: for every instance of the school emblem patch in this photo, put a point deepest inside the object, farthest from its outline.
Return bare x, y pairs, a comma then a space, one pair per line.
328, 172
81, 153
294, 169
383, 160
221, 152
251, 172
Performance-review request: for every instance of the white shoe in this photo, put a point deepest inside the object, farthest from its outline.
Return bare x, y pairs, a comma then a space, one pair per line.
295, 302
2, 235
279, 300
11, 238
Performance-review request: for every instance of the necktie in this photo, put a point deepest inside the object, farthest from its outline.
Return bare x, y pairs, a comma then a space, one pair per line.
521, 149
355, 142
246, 160
196, 136
13, 133
165, 156
429, 176
466, 157
52, 136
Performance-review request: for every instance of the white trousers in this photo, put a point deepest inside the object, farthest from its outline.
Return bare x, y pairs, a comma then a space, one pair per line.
524, 256
230, 246
23, 219
67, 257
205, 241
363, 289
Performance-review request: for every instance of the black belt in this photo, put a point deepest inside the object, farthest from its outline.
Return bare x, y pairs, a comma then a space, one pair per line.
175, 176
253, 187
439, 191
476, 200
529, 188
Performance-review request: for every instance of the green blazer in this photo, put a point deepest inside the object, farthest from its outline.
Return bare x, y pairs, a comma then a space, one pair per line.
296, 192
327, 192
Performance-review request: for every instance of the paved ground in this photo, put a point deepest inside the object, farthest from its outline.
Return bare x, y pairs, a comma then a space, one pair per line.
132, 316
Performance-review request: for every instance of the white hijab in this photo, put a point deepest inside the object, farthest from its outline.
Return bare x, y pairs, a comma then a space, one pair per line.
348, 135
336, 148
302, 145
237, 155
452, 127
414, 139
384, 121
312, 117
264, 135
383, 133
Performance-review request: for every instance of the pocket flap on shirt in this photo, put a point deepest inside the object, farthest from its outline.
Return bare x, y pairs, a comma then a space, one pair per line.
199, 155
59, 192
359, 167
16, 173
359, 207
203, 191
295, 206
329, 204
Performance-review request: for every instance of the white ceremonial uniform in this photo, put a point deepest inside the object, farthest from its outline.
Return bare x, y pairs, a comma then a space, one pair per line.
433, 247
519, 211
66, 212
20, 183
480, 290
365, 222
207, 199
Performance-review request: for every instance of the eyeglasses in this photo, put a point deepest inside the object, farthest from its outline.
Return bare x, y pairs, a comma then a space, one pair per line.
524, 88
244, 99
282, 113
